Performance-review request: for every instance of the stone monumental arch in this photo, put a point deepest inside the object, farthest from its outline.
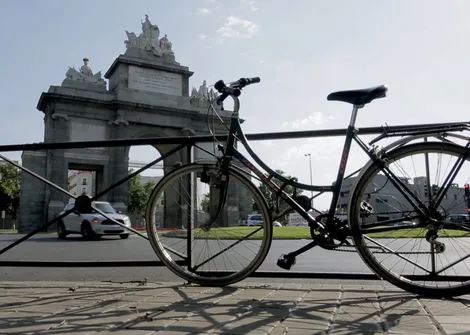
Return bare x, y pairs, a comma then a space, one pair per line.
147, 95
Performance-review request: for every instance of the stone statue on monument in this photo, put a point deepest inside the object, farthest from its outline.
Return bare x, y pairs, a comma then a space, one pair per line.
201, 97
86, 69
203, 90
166, 45
84, 74
149, 40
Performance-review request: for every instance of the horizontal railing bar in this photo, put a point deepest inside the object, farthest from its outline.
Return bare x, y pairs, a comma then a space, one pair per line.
189, 140
256, 274
82, 264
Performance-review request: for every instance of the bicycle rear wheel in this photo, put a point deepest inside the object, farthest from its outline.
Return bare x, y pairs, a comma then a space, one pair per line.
402, 255
192, 244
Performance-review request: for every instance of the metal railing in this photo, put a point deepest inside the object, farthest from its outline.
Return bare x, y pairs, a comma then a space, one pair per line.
187, 143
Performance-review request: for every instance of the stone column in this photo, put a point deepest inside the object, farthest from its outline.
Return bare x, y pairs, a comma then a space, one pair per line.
244, 198
177, 199
57, 169
32, 192
118, 169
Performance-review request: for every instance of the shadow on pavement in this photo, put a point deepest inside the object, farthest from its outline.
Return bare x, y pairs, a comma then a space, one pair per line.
232, 310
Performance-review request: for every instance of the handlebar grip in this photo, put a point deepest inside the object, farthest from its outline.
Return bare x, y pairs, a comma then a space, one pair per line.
254, 80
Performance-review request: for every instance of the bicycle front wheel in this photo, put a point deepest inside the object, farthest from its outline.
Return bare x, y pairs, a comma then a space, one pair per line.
391, 239
199, 240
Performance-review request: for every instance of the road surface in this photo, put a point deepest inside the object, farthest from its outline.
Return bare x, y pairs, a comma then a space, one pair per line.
46, 247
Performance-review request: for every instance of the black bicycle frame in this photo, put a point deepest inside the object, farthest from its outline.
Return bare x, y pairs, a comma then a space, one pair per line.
236, 133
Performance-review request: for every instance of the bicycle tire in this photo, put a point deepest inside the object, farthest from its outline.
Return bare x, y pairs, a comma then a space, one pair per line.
192, 277
361, 185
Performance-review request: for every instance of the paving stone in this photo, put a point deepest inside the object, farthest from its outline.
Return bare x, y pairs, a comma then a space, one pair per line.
157, 321
310, 314
409, 324
286, 295
209, 298
166, 332
127, 332
217, 314
187, 326
70, 330
149, 292
282, 330
401, 305
306, 323
455, 328
248, 325
244, 309
13, 317
445, 308
250, 295
357, 323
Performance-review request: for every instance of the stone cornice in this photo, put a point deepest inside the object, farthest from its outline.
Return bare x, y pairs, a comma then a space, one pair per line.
152, 65
113, 105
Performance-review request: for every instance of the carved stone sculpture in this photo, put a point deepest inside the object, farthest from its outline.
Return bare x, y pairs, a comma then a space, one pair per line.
86, 69
203, 96
85, 74
166, 45
149, 40
203, 90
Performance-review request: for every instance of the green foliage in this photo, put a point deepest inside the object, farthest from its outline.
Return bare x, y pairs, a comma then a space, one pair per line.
138, 195
9, 189
271, 197
205, 203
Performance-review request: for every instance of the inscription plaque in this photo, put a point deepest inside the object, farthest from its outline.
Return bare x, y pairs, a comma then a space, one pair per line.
151, 80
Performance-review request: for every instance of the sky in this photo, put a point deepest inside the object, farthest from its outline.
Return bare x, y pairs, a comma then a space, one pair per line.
302, 50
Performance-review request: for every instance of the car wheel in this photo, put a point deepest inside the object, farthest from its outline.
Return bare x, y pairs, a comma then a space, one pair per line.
61, 231
88, 233
124, 236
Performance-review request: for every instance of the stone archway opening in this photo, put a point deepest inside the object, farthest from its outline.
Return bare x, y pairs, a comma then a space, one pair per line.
84, 179
142, 184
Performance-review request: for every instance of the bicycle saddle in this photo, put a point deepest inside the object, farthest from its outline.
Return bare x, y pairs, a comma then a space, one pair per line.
359, 97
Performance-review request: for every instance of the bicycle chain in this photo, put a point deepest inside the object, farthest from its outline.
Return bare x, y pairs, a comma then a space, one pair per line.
336, 247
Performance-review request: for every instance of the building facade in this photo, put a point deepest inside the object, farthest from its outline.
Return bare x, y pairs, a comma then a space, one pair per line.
388, 203
82, 182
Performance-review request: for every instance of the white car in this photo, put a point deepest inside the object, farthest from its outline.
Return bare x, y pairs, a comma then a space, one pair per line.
255, 220
93, 225
251, 220
277, 224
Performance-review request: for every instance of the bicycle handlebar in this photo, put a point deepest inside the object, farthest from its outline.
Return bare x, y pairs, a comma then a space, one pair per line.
234, 88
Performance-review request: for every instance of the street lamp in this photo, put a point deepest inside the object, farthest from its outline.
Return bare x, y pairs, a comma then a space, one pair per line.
311, 181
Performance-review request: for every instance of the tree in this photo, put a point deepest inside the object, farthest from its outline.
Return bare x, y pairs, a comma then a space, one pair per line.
271, 197
138, 195
9, 189
206, 203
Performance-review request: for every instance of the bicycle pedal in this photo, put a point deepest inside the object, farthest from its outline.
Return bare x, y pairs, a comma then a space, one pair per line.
285, 262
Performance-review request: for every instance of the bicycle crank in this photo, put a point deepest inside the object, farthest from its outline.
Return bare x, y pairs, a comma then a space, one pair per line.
286, 261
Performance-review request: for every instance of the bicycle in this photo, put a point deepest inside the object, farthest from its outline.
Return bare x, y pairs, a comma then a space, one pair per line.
423, 219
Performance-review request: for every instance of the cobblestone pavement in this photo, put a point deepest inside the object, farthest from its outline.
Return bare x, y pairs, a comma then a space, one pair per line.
246, 308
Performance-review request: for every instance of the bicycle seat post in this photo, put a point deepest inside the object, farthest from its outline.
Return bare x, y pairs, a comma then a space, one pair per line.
355, 109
